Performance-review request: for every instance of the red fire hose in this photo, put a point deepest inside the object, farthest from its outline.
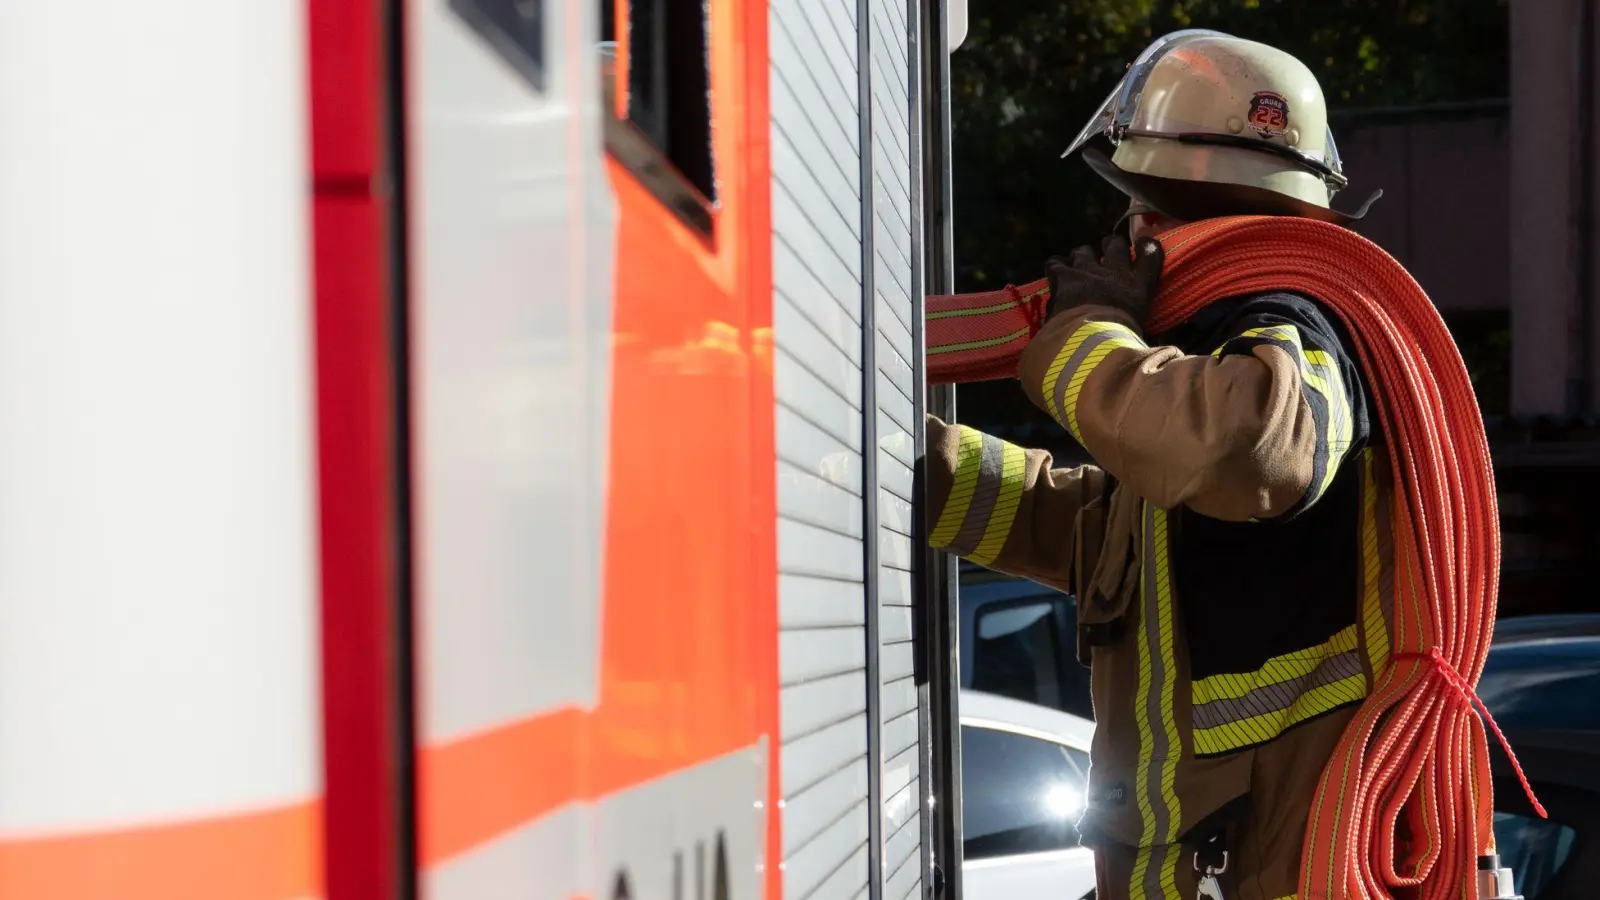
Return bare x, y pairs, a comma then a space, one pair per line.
1415, 758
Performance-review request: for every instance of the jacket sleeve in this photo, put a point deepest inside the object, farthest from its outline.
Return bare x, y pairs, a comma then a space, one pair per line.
1002, 506
1256, 430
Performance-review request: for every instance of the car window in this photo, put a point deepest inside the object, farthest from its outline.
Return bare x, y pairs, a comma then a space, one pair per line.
1534, 849
1019, 794
1018, 652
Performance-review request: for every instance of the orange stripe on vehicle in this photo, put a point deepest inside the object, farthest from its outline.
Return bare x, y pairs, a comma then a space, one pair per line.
474, 789
266, 855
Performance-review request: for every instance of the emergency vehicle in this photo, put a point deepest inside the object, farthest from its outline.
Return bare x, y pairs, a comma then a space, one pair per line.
464, 449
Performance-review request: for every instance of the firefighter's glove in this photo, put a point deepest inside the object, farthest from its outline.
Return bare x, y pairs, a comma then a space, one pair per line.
1120, 278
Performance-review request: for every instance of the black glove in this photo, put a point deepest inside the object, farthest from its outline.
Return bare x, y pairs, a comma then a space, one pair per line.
1119, 279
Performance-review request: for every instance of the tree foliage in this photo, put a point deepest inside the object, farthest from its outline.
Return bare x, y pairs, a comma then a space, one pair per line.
1032, 72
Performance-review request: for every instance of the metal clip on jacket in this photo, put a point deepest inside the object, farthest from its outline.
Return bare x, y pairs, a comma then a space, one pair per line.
1210, 865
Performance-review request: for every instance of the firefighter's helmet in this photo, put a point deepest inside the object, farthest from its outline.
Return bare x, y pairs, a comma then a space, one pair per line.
1205, 124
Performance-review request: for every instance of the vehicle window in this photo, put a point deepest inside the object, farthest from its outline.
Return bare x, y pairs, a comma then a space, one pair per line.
1018, 652
1019, 794
664, 135
1534, 849
514, 29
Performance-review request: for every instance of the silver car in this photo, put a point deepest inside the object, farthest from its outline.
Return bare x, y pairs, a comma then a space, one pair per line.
1024, 772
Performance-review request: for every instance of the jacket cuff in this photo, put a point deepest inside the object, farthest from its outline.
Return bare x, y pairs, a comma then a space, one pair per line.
979, 490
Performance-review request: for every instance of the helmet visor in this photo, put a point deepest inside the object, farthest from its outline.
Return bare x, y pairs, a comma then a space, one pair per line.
1116, 112
1330, 158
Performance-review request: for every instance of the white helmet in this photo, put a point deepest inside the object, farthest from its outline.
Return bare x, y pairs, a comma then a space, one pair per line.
1205, 124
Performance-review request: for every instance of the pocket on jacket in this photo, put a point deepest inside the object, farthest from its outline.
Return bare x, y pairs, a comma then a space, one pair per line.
1108, 580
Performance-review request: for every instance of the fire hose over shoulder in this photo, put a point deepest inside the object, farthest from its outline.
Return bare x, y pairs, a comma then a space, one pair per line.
1414, 760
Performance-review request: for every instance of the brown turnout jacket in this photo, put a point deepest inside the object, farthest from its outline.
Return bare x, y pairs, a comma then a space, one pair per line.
1229, 553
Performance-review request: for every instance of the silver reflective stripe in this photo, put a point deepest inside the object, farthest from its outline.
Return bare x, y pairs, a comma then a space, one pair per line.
1272, 698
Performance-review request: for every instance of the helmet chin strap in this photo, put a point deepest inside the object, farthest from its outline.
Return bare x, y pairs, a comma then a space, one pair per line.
1124, 225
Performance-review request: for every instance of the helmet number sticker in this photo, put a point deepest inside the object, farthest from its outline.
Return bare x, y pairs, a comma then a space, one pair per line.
1269, 114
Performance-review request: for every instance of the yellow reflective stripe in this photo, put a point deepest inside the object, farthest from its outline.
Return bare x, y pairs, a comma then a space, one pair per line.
1286, 333
1322, 374
1052, 375
1165, 628
1118, 338
1141, 775
1159, 743
1064, 410
1169, 874
1141, 868
1375, 626
1314, 379
985, 493
1277, 670
1155, 873
1013, 470
968, 456
1265, 727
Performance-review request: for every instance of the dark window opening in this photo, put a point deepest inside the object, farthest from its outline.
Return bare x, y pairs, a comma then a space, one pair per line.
514, 28
665, 138
669, 84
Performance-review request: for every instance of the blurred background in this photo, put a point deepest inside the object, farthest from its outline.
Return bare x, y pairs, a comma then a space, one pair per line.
1477, 120
1424, 98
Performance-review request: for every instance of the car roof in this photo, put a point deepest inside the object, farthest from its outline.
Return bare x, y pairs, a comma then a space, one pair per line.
1545, 681
979, 708
1542, 683
1519, 629
987, 591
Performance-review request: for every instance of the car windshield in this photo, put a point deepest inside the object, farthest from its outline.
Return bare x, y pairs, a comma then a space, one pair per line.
1021, 645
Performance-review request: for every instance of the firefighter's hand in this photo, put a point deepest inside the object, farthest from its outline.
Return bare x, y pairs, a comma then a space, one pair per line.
1120, 277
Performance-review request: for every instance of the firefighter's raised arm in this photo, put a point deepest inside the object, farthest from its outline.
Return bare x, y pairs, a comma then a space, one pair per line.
1254, 430
1004, 507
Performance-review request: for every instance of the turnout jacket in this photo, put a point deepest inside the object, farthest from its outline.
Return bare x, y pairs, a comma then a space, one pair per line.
1230, 554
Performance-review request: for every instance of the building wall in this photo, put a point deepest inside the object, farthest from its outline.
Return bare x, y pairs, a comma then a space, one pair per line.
1543, 178
843, 301
1446, 197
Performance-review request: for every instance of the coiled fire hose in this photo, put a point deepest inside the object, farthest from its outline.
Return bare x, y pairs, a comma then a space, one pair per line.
1414, 760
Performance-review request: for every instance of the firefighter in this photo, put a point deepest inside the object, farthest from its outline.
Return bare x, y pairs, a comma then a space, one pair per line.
1226, 548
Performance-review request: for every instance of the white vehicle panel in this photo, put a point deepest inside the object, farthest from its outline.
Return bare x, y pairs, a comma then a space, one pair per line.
512, 254
158, 568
